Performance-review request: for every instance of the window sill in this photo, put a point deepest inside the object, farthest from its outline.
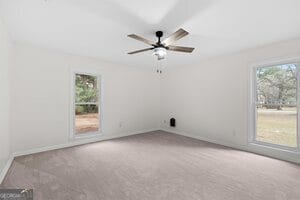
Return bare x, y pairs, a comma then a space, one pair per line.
87, 135
278, 148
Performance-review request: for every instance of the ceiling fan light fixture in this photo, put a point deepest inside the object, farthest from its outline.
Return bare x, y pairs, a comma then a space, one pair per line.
160, 52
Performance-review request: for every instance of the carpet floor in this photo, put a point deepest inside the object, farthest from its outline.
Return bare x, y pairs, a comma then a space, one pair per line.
154, 166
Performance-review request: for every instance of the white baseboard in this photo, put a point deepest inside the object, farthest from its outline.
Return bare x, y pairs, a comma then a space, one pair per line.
108, 137
223, 143
6, 168
289, 156
77, 142
69, 144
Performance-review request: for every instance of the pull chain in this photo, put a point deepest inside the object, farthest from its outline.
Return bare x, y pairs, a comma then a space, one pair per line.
158, 67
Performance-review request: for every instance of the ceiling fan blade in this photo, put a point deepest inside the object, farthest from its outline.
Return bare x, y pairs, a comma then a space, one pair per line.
181, 49
174, 37
134, 36
139, 51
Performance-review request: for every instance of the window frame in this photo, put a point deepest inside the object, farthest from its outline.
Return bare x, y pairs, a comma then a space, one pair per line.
85, 135
253, 104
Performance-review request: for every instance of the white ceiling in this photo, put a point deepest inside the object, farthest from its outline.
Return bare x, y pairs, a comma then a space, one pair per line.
99, 28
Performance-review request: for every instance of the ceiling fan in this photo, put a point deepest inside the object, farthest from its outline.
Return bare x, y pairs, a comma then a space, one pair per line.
160, 47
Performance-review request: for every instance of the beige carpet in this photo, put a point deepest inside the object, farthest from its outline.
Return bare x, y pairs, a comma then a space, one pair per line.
156, 165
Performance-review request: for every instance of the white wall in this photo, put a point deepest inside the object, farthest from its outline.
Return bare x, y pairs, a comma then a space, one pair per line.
5, 58
41, 97
210, 100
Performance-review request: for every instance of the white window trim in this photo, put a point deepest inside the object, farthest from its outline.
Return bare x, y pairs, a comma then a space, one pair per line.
87, 135
252, 104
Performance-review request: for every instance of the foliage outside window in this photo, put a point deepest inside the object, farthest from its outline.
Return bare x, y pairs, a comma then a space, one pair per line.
86, 104
276, 105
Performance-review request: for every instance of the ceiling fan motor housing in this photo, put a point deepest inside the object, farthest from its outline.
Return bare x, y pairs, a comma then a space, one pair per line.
160, 50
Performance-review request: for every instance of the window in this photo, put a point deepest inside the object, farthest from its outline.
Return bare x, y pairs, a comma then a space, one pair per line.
86, 107
275, 105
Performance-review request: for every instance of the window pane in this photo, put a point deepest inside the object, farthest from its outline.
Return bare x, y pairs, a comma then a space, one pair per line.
277, 99
277, 126
86, 119
86, 89
277, 84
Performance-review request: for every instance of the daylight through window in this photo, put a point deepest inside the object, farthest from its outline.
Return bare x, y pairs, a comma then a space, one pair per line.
87, 118
276, 112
